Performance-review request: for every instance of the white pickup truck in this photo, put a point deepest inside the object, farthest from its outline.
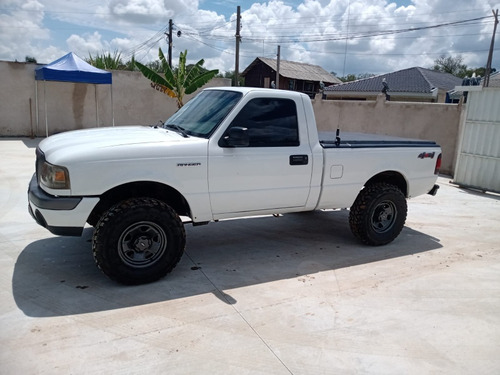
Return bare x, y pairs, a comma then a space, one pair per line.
229, 152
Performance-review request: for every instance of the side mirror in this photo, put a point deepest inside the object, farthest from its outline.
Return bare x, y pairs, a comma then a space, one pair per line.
236, 136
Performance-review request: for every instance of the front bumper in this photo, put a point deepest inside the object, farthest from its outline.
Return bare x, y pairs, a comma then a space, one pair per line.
63, 216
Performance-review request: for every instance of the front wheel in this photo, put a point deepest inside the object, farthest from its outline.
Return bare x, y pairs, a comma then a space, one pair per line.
378, 214
138, 241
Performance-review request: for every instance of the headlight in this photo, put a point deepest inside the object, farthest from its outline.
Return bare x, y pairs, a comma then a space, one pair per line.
54, 176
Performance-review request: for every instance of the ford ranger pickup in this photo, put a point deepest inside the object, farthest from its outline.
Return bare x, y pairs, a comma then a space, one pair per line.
229, 152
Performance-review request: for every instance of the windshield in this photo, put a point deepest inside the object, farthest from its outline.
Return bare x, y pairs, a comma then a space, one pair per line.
201, 115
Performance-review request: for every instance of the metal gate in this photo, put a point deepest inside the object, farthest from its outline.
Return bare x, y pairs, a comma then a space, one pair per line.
478, 163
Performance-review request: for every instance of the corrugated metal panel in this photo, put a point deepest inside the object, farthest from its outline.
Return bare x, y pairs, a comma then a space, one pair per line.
484, 105
478, 162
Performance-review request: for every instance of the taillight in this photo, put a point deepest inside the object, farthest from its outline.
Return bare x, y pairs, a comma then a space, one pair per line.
438, 165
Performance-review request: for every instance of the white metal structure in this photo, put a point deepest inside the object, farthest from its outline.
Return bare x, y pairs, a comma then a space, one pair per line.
478, 162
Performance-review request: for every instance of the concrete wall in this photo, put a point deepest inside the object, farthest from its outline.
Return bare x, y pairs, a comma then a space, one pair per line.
72, 106
431, 121
17, 98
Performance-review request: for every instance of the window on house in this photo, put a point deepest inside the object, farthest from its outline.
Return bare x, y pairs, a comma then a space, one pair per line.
270, 122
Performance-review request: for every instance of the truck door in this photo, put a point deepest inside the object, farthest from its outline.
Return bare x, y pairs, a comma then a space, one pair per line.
272, 170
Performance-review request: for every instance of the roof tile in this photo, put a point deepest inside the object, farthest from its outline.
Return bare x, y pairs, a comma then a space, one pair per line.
414, 80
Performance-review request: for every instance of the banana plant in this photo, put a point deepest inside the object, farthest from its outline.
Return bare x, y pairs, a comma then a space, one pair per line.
180, 81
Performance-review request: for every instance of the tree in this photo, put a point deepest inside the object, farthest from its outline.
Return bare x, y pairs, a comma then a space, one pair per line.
231, 75
30, 59
156, 66
480, 72
353, 77
452, 65
180, 81
130, 65
106, 61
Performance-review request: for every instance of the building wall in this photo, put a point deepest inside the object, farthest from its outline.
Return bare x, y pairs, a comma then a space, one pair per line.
261, 75
255, 77
430, 121
66, 106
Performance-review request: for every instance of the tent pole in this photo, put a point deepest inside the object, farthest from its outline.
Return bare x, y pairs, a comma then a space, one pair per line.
36, 105
96, 106
45, 104
112, 108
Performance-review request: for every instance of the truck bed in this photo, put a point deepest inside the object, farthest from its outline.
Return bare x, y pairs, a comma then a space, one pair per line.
362, 140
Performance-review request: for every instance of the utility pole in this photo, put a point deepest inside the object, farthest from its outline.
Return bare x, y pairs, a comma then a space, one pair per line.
486, 81
278, 69
170, 27
237, 54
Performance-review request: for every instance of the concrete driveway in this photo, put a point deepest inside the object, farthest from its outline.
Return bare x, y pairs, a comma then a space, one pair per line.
295, 294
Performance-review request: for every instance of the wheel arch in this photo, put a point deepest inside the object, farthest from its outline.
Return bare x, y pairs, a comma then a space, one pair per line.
391, 177
149, 189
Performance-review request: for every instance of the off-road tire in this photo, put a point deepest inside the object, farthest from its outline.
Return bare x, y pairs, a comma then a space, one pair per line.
378, 214
138, 241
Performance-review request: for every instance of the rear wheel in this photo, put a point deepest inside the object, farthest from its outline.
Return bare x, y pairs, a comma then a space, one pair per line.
378, 214
138, 241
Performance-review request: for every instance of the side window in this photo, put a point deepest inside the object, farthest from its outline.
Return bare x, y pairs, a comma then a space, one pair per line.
270, 122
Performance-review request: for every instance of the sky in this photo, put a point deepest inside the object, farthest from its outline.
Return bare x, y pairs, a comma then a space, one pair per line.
342, 36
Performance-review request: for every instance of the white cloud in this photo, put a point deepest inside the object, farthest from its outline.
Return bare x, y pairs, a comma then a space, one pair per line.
311, 31
23, 19
145, 11
87, 44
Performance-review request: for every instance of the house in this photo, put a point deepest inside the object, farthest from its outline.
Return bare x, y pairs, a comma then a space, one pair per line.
294, 76
409, 85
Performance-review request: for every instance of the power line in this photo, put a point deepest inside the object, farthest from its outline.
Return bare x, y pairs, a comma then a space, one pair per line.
387, 53
337, 37
340, 36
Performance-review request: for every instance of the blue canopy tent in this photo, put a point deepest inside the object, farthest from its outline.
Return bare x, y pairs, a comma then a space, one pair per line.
71, 68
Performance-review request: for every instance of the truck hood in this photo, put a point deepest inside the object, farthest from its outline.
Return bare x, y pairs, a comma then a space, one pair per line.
101, 144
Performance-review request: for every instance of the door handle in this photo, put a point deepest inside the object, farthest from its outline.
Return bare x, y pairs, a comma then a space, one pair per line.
299, 159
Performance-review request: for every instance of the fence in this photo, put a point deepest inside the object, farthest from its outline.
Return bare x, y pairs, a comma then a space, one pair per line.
478, 163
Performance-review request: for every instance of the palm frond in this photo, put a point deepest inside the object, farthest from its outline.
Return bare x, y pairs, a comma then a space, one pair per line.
179, 82
201, 80
152, 75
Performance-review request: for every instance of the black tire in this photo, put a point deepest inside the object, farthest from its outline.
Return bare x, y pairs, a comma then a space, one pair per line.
138, 241
378, 214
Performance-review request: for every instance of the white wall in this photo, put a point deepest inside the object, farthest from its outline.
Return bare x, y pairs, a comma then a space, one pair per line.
76, 105
429, 121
